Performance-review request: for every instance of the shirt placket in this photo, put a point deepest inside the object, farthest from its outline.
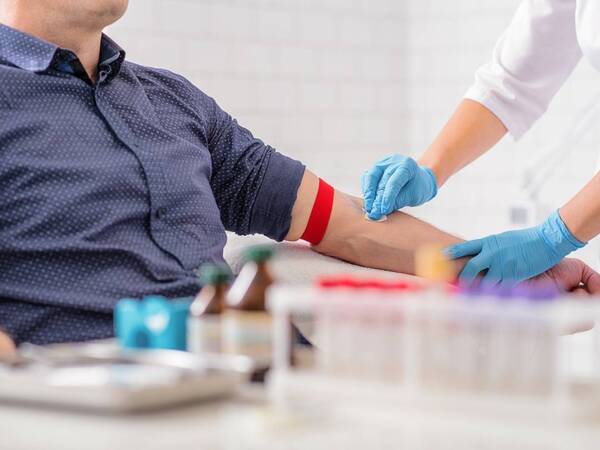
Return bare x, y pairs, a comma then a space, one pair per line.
150, 163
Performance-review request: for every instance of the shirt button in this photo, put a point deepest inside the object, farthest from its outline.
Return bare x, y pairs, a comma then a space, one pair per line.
159, 213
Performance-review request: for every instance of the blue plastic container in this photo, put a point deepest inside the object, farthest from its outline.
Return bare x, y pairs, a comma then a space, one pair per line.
153, 322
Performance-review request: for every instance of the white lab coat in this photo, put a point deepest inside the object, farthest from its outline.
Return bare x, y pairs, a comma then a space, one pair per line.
533, 58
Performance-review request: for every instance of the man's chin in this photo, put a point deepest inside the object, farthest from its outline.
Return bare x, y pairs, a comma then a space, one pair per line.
100, 13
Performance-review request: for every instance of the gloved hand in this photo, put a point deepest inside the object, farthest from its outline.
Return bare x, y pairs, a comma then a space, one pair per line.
514, 256
395, 182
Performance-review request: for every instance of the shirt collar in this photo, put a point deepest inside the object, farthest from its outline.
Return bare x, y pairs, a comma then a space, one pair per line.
111, 53
25, 51
35, 55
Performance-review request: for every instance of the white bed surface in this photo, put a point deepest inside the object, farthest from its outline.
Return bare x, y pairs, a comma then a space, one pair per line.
295, 262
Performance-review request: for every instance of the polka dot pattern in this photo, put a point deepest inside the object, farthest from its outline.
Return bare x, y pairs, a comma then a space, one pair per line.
117, 189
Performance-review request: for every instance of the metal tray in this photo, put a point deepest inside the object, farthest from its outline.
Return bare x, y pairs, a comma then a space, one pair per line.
104, 378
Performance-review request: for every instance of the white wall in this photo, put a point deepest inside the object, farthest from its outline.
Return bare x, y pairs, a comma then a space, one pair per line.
340, 83
447, 42
319, 80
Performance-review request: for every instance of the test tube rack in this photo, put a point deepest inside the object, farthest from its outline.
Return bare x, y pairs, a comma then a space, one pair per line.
434, 350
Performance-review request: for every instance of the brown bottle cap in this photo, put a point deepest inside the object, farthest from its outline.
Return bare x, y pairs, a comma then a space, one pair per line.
214, 274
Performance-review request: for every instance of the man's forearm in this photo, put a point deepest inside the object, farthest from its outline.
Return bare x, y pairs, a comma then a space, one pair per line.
389, 245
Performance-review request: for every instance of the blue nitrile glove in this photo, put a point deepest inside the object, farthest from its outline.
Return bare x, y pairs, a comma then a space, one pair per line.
395, 182
514, 256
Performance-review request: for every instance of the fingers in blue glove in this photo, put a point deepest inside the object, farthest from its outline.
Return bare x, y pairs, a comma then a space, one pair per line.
370, 181
493, 276
378, 210
389, 183
473, 268
468, 248
394, 185
365, 191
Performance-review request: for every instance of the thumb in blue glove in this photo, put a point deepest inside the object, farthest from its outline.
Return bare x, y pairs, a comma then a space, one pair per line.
395, 182
514, 256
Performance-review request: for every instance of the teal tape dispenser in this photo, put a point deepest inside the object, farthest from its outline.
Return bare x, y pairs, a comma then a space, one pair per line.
153, 322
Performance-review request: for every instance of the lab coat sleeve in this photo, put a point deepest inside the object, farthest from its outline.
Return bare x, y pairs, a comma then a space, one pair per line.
531, 61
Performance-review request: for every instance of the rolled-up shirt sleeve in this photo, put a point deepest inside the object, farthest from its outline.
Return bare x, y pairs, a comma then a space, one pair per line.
255, 187
531, 61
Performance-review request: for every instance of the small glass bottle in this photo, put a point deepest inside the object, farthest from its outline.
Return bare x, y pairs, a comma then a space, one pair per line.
247, 326
206, 311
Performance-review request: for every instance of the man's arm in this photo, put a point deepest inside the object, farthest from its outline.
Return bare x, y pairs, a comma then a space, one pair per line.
388, 245
391, 245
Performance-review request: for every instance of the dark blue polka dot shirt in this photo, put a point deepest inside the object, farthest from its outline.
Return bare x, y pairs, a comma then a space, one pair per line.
120, 188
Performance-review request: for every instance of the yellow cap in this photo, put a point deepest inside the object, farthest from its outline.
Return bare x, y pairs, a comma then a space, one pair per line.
431, 263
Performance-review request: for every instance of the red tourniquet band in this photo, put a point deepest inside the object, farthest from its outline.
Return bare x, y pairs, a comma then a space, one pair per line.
320, 214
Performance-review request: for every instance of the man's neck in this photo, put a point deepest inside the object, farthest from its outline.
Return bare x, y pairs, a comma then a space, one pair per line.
84, 43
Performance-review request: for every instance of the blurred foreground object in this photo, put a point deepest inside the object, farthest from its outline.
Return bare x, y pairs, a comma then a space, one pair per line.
153, 322
247, 325
482, 350
432, 264
7, 346
204, 331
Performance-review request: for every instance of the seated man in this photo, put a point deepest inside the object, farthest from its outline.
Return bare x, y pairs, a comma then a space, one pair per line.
119, 180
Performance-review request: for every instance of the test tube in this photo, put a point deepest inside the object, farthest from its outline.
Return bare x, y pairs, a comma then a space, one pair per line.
490, 347
344, 335
433, 320
325, 336
474, 339
501, 344
539, 340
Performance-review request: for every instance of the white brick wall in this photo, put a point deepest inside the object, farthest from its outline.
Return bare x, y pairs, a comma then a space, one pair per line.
318, 80
341, 83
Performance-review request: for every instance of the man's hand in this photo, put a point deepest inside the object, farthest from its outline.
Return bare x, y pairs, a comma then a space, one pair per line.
575, 276
572, 275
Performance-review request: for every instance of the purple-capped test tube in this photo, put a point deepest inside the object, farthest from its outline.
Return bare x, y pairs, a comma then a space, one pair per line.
536, 291
471, 291
486, 290
499, 291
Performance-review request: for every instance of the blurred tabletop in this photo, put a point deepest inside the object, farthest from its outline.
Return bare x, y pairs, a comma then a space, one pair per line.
249, 421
